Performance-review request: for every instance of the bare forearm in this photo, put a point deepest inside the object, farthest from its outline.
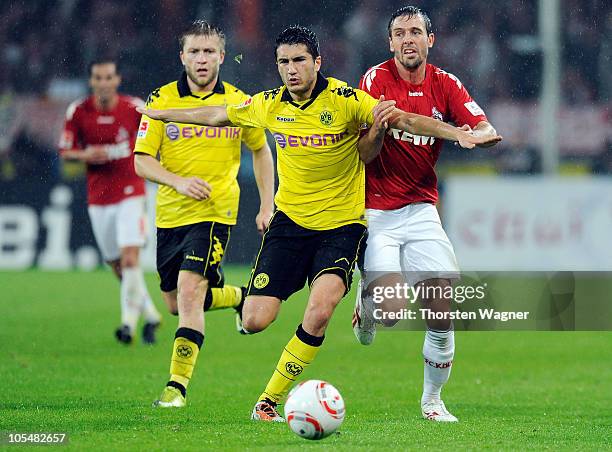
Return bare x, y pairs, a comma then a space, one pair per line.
215, 116
263, 167
149, 168
369, 145
422, 125
73, 155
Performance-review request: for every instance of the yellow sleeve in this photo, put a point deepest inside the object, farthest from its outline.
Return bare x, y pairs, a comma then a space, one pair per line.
151, 131
250, 113
254, 138
363, 108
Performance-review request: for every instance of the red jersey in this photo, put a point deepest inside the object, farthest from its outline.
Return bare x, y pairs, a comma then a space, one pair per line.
85, 125
403, 172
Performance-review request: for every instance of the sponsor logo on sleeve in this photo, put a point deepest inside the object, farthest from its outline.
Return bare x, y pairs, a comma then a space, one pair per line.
143, 129
474, 108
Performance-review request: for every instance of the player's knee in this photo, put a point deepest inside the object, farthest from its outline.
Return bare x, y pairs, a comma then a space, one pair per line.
254, 324
192, 290
320, 314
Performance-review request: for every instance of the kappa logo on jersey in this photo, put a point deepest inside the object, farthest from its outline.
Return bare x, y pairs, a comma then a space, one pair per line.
474, 108
415, 93
345, 91
314, 141
417, 140
285, 119
154, 94
143, 129
271, 93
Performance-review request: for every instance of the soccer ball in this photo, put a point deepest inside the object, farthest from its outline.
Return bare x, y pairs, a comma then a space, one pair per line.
314, 409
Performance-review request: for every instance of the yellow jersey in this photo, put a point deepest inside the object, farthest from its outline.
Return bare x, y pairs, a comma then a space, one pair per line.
321, 178
210, 153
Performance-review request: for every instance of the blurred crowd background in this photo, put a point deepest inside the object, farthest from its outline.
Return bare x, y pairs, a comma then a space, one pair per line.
493, 47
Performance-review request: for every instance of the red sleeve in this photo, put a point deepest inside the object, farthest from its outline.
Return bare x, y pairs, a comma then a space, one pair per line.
462, 108
369, 82
70, 138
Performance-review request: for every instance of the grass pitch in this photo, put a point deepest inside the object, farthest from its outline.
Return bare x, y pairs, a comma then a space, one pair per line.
62, 371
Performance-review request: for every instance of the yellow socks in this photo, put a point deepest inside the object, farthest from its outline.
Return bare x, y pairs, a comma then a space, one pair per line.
187, 344
222, 297
298, 353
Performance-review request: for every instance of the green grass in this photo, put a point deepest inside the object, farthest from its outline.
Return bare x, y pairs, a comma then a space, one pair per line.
61, 370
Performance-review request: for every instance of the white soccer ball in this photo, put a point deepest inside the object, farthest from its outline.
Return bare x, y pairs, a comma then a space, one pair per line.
314, 409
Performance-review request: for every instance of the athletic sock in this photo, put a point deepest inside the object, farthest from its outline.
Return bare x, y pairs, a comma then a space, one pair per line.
438, 353
187, 345
131, 298
298, 353
149, 311
222, 298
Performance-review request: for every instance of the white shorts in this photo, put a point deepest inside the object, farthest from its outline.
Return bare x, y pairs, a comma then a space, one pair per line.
117, 226
410, 241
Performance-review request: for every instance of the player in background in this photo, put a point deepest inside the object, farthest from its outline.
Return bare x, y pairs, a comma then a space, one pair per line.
319, 225
405, 233
197, 200
101, 131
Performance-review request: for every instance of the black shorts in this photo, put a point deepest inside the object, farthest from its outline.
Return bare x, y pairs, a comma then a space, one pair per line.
290, 255
195, 247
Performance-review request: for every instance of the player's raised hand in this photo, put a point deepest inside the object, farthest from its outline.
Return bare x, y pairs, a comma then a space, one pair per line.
262, 220
382, 113
194, 187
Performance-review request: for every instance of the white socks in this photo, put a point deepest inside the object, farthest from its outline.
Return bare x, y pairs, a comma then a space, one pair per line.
438, 353
149, 312
131, 297
135, 299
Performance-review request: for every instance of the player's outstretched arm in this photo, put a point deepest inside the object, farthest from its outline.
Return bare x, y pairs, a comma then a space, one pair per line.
263, 167
207, 116
92, 155
422, 125
370, 144
149, 167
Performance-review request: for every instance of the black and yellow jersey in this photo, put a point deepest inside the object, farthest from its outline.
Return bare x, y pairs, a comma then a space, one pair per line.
321, 178
210, 153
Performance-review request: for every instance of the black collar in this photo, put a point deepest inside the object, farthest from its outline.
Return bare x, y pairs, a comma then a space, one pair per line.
183, 87
320, 85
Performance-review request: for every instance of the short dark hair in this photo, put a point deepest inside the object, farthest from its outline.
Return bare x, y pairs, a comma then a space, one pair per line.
102, 60
296, 34
201, 27
411, 11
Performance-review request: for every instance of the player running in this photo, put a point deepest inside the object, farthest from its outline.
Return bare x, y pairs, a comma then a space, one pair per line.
319, 225
100, 131
197, 201
406, 243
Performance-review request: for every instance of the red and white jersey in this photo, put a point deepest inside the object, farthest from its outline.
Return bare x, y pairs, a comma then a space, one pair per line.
85, 125
403, 173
